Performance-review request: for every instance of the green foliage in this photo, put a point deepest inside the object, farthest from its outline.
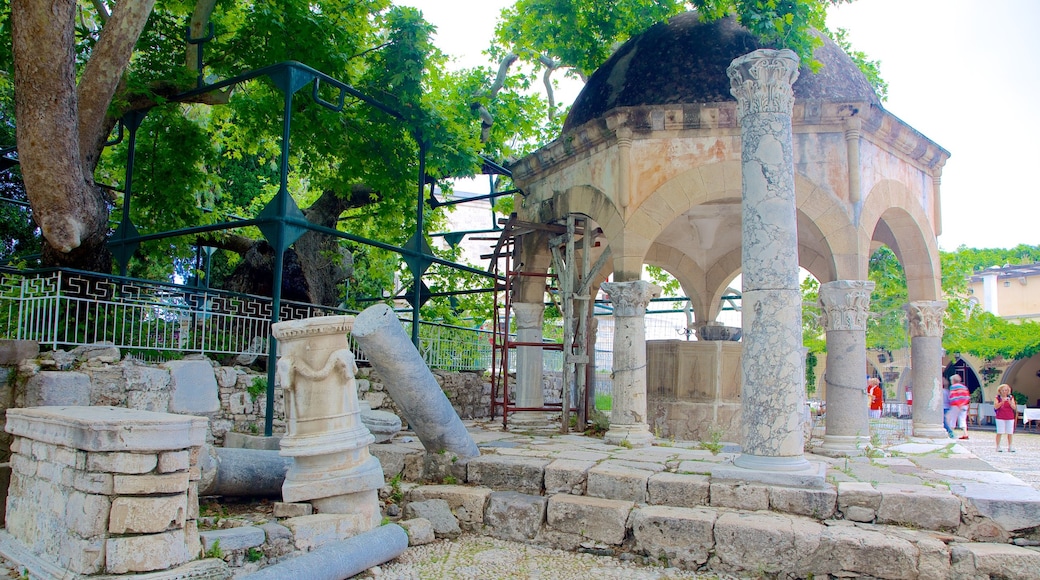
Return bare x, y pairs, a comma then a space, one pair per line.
215, 550
579, 34
257, 388
1020, 398
254, 555
604, 401
714, 441
886, 327
870, 68
778, 23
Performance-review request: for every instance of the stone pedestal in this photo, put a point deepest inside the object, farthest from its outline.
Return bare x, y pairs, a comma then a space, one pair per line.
926, 330
844, 306
693, 387
628, 420
529, 365
773, 365
332, 467
102, 490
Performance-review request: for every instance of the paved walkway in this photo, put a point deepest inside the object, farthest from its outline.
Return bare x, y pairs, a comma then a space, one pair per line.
965, 466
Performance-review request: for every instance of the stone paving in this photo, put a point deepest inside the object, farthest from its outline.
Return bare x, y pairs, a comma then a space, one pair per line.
969, 468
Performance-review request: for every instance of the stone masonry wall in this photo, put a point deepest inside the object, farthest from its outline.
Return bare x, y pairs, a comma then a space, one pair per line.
232, 398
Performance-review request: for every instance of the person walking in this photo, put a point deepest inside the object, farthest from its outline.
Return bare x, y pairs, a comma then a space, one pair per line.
1006, 410
960, 398
946, 406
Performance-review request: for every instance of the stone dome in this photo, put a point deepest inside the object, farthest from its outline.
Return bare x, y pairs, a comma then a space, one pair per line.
685, 61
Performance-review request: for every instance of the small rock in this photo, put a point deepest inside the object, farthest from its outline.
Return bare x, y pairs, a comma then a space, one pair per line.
393, 510
1025, 542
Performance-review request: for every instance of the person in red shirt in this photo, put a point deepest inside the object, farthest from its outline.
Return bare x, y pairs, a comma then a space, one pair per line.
960, 398
1006, 410
877, 398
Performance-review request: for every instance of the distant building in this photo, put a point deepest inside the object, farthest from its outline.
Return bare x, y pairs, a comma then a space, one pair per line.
1010, 292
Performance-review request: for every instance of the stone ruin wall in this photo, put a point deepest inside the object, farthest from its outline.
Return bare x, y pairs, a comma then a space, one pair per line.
98, 376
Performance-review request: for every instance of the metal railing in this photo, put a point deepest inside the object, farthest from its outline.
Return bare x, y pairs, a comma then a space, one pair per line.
61, 309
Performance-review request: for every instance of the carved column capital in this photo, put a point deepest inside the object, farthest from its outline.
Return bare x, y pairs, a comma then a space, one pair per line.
845, 304
761, 81
926, 317
630, 298
528, 314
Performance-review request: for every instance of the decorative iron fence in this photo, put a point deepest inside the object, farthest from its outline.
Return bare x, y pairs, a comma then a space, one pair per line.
62, 309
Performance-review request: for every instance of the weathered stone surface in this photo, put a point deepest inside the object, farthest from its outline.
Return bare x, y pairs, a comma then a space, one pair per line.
171, 461
85, 514
466, 502
515, 516
738, 495
382, 424
193, 387
236, 440
603, 520
681, 536
439, 513
678, 489
815, 503
231, 539
12, 352
921, 506
145, 553
312, 531
57, 388
1012, 507
149, 484
399, 460
856, 493
420, 531
933, 554
292, 510
133, 463
147, 515
618, 482
850, 549
567, 476
508, 473
993, 561
765, 543
104, 428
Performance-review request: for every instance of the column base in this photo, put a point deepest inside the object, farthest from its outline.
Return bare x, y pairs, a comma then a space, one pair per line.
843, 445
776, 463
629, 435
930, 431
530, 421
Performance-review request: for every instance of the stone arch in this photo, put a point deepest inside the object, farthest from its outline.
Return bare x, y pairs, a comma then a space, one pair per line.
891, 215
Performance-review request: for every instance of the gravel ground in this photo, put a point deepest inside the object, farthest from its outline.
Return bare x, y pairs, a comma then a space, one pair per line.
472, 557
1023, 464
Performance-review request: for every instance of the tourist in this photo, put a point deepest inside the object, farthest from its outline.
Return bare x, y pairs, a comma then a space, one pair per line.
960, 398
877, 399
946, 405
1006, 410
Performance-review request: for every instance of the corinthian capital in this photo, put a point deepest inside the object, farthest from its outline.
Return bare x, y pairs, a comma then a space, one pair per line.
845, 304
926, 317
630, 298
761, 81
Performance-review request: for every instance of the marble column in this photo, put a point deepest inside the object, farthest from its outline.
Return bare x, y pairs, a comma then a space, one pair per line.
773, 366
529, 364
926, 330
332, 467
628, 414
844, 307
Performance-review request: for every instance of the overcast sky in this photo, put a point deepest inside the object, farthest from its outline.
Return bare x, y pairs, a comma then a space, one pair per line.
962, 72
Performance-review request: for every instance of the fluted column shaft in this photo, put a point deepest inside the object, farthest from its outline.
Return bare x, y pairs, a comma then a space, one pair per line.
926, 330
773, 366
628, 414
844, 307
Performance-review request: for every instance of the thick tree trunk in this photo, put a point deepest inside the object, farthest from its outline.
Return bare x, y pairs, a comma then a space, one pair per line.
316, 264
61, 130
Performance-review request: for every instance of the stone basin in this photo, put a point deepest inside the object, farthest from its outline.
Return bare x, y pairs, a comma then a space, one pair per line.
717, 331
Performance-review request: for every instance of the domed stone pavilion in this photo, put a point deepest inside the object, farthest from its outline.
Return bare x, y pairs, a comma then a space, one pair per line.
649, 166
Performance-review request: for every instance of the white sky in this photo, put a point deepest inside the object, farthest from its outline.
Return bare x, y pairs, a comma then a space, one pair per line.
959, 71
